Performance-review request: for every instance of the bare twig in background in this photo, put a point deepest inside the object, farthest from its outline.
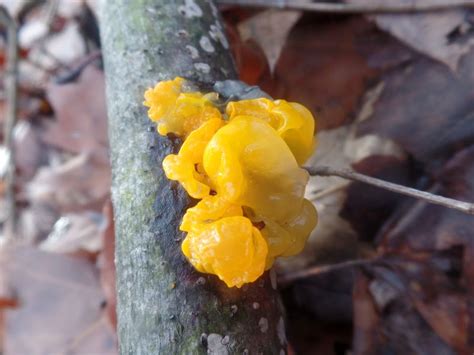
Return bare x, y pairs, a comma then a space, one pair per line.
465, 207
51, 11
351, 8
290, 277
11, 90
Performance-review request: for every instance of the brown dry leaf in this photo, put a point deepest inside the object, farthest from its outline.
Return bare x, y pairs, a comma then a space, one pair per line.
269, 29
13, 6
339, 69
386, 320
28, 157
8, 296
319, 313
62, 47
249, 58
34, 30
420, 306
322, 67
423, 290
36, 221
107, 265
60, 306
441, 35
366, 319
80, 111
308, 335
75, 232
426, 109
28, 150
424, 226
441, 301
80, 183
366, 207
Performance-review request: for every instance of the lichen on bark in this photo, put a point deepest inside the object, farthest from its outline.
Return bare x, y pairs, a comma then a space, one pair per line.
164, 305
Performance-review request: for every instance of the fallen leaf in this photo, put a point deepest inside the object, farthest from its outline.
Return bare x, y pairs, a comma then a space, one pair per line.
28, 150
424, 226
32, 32
36, 221
366, 319
249, 58
426, 109
321, 67
386, 320
269, 29
333, 292
441, 35
367, 207
82, 182
80, 112
423, 287
75, 232
308, 335
69, 9
60, 310
60, 48
12, 6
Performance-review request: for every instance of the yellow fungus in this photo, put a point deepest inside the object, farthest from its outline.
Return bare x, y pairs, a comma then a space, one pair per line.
231, 248
175, 111
292, 121
187, 166
244, 167
252, 166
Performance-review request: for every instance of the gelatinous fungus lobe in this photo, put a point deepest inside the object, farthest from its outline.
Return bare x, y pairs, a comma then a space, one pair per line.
242, 161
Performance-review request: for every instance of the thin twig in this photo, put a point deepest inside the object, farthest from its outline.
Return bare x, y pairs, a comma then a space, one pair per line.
51, 11
344, 8
11, 89
465, 207
285, 279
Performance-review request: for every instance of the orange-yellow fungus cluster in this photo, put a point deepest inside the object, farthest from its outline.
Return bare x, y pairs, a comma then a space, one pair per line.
244, 167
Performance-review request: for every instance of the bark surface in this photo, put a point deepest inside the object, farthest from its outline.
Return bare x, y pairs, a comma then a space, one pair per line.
164, 306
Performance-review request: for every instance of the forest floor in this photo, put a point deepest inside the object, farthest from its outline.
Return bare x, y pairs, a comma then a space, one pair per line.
393, 95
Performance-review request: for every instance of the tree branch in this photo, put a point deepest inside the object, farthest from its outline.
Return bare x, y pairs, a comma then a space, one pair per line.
464, 207
163, 305
11, 90
342, 8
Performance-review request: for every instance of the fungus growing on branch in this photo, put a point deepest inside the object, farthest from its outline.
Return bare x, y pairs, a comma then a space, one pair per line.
243, 164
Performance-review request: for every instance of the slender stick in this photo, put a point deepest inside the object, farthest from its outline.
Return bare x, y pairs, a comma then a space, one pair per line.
465, 207
345, 8
290, 277
11, 89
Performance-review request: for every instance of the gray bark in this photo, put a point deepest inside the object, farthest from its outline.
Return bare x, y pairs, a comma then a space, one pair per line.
164, 305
